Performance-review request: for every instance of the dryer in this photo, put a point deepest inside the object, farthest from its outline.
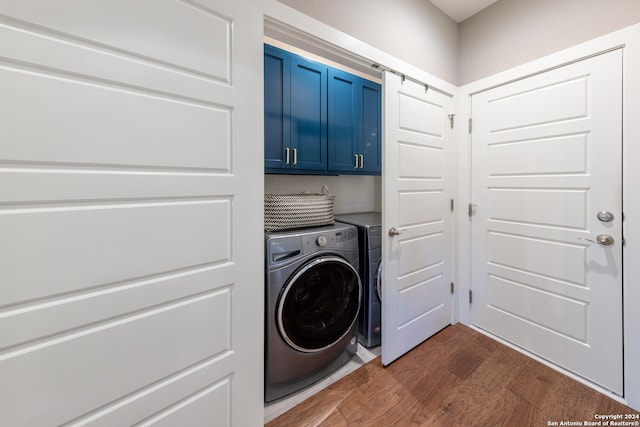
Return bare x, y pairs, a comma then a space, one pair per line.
312, 300
369, 225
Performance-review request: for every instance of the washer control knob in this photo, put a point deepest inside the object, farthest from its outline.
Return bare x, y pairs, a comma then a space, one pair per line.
321, 241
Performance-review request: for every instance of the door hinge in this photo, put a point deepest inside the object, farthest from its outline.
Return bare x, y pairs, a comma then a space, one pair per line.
451, 116
470, 296
451, 205
452, 286
472, 209
470, 125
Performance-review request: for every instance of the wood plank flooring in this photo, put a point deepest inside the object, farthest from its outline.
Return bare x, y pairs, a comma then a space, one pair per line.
458, 377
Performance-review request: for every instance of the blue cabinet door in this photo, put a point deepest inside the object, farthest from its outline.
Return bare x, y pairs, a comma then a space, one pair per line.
343, 119
308, 115
371, 115
354, 124
277, 108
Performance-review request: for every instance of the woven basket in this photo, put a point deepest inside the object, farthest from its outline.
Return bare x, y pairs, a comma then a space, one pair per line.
291, 211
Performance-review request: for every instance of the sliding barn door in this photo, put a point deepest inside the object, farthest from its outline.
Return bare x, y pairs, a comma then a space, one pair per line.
547, 233
130, 282
416, 295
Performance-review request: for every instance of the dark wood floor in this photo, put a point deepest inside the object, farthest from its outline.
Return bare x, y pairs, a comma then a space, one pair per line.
458, 377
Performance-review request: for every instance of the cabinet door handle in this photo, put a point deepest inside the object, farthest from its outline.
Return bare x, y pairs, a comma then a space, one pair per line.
356, 166
295, 156
361, 161
286, 153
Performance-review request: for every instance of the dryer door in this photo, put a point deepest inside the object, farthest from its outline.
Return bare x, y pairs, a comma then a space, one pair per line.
319, 304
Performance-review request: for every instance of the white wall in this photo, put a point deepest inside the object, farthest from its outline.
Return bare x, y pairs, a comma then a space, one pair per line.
353, 193
513, 32
414, 31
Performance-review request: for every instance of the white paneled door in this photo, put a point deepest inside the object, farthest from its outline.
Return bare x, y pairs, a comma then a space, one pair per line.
130, 283
547, 230
416, 293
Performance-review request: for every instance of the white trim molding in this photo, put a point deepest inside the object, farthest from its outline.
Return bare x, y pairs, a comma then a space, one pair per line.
629, 40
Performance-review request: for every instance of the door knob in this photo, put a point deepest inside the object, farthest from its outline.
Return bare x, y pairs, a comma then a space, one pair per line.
605, 239
601, 239
395, 231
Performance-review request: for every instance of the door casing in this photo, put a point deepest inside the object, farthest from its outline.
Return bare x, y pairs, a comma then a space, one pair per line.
546, 158
629, 40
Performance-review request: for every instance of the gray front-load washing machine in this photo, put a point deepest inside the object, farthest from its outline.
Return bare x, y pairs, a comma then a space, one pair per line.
312, 300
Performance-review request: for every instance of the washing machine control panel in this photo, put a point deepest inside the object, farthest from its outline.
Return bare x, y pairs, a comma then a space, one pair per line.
283, 248
345, 235
328, 240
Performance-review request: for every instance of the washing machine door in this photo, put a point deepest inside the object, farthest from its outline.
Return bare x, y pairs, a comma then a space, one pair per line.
319, 304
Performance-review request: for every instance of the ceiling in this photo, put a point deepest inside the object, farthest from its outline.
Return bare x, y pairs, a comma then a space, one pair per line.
459, 10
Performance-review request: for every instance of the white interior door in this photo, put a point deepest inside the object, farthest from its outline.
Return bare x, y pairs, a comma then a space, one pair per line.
416, 293
130, 279
546, 159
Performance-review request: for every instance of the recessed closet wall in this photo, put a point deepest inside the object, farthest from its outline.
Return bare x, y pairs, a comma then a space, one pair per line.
353, 193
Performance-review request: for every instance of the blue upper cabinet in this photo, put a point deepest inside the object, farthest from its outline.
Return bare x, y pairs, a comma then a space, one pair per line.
318, 120
295, 113
343, 122
371, 116
308, 115
277, 107
354, 124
